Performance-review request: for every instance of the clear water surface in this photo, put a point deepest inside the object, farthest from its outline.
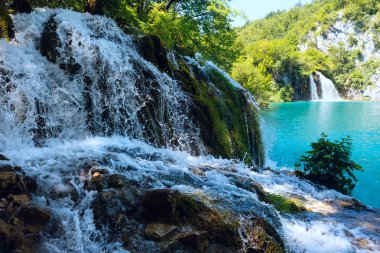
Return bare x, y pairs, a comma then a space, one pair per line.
291, 127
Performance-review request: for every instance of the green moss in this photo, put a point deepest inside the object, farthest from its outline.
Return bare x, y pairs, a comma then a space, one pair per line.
6, 26
235, 123
284, 205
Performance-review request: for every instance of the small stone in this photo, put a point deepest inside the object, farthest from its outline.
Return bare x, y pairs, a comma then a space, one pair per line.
160, 232
198, 172
7, 179
116, 181
19, 199
96, 174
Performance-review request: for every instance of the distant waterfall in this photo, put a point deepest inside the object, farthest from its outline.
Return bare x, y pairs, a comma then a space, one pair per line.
313, 89
323, 89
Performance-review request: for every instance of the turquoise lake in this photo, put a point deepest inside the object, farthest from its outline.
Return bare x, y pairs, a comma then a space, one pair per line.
289, 128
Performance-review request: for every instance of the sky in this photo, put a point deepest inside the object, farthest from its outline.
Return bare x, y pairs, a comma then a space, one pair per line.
256, 9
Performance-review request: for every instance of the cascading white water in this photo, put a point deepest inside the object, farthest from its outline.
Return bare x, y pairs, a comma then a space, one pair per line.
328, 89
313, 89
72, 110
96, 90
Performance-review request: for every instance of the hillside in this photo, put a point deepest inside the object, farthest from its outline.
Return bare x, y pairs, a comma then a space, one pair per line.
337, 38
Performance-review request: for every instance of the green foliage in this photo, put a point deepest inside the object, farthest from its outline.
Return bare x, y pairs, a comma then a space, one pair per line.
6, 23
72, 4
266, 72
329, 163
195, 26
188, 26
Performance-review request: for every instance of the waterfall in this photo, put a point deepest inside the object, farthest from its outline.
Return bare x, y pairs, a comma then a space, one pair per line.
92, 105
95, 83
313, 89
328, 91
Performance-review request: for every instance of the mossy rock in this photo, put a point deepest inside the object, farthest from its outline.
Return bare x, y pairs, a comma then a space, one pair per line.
283, 204
173, 207
229, 124
280, 203
265, 238
6, 27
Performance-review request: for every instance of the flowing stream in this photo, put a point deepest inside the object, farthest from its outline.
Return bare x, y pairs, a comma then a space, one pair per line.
79, 124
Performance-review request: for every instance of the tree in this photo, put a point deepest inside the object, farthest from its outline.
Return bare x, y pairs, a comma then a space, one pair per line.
329, 164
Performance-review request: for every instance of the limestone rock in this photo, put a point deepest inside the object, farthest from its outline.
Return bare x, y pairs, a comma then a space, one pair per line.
33, 215
50, 41
196, 240
7, 180
116, 181
20, 199
159, 231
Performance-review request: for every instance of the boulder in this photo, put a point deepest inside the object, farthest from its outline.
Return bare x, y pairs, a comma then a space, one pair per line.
112, 210
196, 240
19, 199
3, 158
116, 181
33, 215
168, 206
173, 207
94, 7
49, 41
265, 238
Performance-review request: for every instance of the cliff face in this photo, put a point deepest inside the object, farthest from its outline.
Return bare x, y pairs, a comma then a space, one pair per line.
359, 41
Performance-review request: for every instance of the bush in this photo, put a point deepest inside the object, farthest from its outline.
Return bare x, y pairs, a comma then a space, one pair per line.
329, 164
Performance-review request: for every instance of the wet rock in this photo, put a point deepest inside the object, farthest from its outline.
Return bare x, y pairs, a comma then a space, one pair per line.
20, 6
352, 204
168, 206
5, 233
3, 158
19, 199
198, 172
116, 181
151, 49
196, 240
159, 231
94, 7
7, 180
50, 41
265, 238
112, 210
13, 240
173, 207
33, 215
